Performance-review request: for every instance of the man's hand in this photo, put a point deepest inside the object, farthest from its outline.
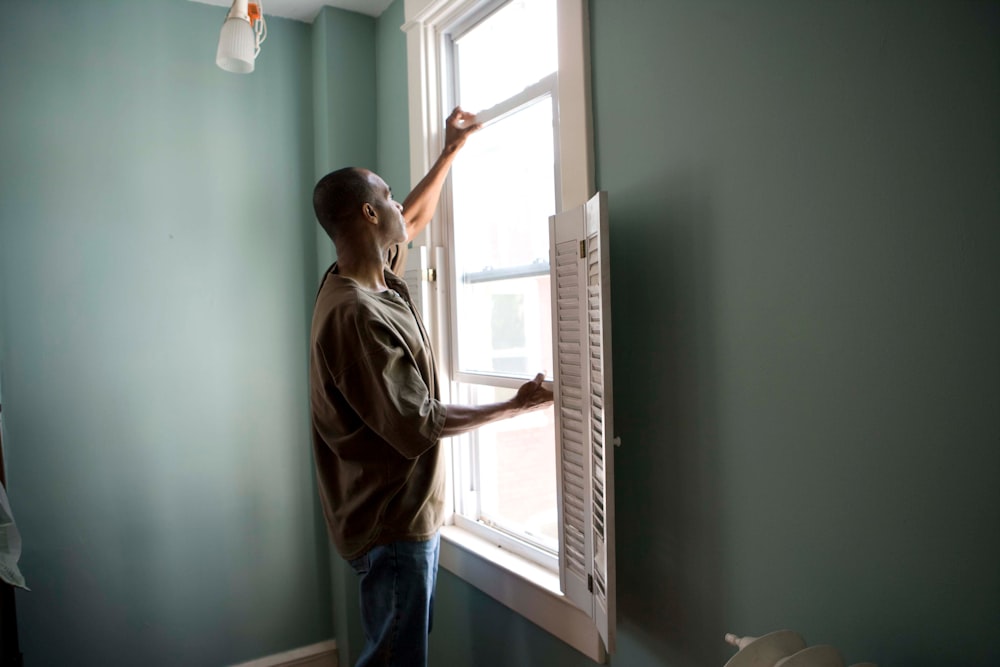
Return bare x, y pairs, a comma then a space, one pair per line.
532, 395
463, 418
419, 205
457, 128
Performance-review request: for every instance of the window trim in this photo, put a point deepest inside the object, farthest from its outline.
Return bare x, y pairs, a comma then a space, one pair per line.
525, 587
545, 86
542, 558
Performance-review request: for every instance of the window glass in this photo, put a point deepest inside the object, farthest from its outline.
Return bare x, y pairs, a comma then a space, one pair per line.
517, 472
503, 194
510, 50
503, 190
505, 327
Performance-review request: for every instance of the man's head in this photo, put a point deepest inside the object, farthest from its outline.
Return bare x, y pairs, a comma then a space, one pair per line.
354, 204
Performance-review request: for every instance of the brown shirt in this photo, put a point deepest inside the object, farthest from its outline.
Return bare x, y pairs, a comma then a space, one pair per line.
376, 415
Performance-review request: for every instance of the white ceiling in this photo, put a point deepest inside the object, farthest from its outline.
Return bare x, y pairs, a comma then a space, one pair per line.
306, 10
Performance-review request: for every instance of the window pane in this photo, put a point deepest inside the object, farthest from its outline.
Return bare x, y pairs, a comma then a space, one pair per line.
506, 53
504, 193
517, 471
505, 327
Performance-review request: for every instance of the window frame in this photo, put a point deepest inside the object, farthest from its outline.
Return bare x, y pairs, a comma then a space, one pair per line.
465, 457
545, 87
524, 586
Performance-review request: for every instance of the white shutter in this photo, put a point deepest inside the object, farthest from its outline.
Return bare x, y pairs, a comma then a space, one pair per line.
568, 299
583, 408
601, 415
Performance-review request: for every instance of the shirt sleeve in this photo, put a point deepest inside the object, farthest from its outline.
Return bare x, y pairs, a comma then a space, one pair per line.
385, 388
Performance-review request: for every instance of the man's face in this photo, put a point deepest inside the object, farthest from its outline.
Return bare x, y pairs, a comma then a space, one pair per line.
392, 225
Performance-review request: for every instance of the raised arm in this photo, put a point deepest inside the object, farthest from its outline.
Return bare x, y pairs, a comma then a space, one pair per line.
420, 204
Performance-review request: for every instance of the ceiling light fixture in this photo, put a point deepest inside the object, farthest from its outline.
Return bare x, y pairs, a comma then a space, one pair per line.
242, 34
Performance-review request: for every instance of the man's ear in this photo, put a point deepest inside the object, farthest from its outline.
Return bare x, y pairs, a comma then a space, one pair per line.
369, 212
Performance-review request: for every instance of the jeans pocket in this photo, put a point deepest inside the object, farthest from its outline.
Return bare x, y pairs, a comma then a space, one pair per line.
361, 564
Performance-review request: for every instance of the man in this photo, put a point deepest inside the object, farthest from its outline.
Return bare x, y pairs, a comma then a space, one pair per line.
376, 412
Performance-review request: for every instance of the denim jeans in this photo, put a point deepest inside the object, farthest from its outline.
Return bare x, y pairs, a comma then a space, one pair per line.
397, 599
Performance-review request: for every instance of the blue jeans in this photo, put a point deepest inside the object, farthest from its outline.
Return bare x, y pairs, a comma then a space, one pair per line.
397, 600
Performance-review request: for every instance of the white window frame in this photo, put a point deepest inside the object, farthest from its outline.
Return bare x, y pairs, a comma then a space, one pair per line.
465, 454
527, 587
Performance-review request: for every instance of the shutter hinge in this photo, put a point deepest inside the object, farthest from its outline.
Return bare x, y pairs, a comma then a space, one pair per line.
590, 583
432, 275
583, 248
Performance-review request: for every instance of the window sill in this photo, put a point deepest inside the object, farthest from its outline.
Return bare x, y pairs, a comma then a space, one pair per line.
524, 587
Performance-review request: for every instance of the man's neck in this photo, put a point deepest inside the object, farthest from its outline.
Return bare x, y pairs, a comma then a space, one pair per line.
367, 270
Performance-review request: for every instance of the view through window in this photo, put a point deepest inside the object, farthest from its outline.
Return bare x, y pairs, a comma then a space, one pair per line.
504, 189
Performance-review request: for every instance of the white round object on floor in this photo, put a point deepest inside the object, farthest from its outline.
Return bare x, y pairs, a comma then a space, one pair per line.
823, 655
767, 650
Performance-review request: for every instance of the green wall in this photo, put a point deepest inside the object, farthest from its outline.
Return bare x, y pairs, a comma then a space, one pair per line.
360, 105
392, 112
815, 446
804, 234
343, 46
805, 230
157, 261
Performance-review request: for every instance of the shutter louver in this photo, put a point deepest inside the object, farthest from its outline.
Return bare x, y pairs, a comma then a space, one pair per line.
570, 414
581, 301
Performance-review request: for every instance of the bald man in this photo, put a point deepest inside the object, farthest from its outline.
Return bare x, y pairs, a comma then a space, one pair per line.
376, 411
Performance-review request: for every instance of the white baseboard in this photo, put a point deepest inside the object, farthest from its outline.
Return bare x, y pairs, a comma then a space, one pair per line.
322, 654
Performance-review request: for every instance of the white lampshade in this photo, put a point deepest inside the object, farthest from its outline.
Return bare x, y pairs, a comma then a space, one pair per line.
237, 44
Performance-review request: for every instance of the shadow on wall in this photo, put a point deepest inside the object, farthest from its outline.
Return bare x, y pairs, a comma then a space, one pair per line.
668, 503
668, 520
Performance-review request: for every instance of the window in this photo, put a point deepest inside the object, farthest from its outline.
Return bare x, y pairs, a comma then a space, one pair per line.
503, 192
517, 250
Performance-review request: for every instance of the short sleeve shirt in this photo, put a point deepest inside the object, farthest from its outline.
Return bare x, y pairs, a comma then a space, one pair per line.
376, 416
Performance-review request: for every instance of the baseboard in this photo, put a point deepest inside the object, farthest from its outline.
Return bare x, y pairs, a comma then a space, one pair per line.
322, 654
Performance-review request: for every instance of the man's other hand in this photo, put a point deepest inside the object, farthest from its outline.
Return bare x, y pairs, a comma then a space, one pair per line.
532, 395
